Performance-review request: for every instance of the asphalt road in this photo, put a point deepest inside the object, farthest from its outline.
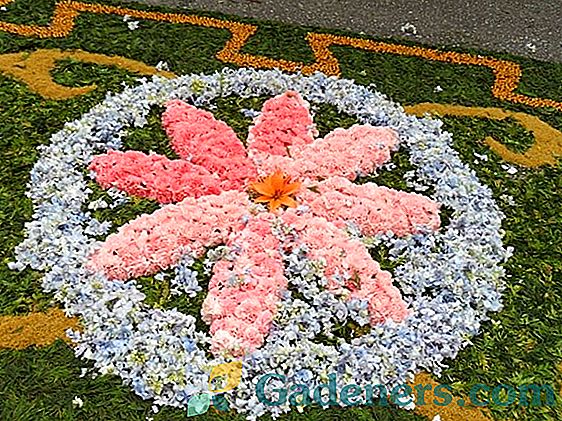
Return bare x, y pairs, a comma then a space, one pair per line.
531, 28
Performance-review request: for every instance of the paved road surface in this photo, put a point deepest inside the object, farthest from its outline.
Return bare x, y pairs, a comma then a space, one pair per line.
532, 28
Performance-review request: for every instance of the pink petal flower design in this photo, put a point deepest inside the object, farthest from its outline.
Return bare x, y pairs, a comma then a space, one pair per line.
206, 203
243, 293
343, 255
283, 123
154, 176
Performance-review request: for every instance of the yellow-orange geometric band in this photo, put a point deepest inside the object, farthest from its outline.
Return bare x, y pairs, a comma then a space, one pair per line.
507, 74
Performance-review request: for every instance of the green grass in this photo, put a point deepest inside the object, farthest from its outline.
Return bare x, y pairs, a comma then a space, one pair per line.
40, 384
522, 344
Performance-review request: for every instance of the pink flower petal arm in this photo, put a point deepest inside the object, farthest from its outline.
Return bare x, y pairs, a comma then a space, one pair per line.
155, 242
348, 265
285, 122
244, 291
374, 209
153, 176
196, 136
347, 153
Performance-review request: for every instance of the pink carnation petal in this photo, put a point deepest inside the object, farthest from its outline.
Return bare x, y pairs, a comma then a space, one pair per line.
374, 209
348, 259
244, 292
284, 122
154, 242
197, 136
348, 153
153, 176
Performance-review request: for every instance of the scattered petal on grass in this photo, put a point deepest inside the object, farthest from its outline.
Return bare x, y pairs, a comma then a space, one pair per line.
510, 169
162, 65
508, 199
77, 402
482, 157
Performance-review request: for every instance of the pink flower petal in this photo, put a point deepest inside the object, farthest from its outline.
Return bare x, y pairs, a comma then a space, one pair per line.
348, 259
197, 136
348, 153
244, 292
155, 242
153, 176
284, 122
374, 209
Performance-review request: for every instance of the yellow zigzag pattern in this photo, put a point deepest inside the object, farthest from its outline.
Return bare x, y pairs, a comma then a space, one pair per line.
507, 74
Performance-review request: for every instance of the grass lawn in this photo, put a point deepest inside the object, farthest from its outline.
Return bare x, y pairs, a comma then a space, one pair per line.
521, 344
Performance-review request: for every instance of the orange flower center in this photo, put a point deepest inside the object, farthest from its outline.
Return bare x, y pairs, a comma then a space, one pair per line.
276, 189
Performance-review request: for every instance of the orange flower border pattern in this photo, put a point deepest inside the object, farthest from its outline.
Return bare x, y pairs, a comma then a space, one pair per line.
507, 74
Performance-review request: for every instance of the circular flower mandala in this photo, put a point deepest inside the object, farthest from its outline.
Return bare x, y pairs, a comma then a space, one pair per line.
285, 274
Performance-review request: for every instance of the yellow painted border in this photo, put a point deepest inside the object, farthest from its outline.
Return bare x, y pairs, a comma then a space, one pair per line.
507, 74
34, 69
546, 149
35, 329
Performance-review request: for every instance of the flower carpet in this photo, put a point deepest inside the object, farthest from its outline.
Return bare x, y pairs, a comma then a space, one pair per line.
192, 204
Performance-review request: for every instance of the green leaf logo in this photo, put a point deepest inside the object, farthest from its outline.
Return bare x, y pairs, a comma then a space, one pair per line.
220, 403
198, 404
